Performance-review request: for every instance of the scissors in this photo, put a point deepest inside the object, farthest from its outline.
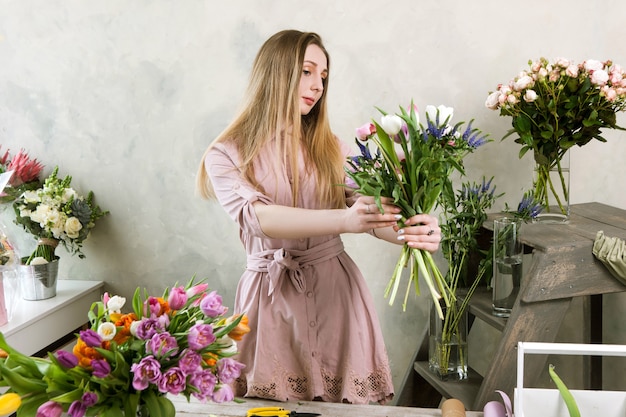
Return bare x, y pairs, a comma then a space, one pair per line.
277, 412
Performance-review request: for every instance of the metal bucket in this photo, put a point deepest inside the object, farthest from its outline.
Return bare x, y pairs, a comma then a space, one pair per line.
39, 282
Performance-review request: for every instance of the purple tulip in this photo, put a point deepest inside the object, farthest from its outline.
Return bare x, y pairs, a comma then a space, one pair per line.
228, 370
204, 381
173, 381
148, 370
211, 305
162, 345
67, 359
49, 409
89, 399
200, 336
223, 394
77, 409
90, 337
189, 361
148, 327
100, 368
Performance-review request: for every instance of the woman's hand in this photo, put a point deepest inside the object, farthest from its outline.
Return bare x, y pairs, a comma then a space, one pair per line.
421, 232
364, 215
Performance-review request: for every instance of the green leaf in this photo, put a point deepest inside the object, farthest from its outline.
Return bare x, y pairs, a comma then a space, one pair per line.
567, 396
21, 384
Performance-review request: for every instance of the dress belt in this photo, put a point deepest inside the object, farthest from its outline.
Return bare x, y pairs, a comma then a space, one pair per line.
280, 262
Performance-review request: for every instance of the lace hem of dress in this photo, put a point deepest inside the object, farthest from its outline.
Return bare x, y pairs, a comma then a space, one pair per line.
375, 386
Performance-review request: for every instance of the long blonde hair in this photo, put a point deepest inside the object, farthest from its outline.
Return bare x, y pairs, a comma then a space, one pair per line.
270, 108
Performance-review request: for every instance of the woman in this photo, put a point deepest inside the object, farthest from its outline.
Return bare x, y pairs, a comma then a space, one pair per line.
277, 170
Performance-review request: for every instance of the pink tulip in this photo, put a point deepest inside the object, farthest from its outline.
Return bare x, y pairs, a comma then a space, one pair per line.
364, 132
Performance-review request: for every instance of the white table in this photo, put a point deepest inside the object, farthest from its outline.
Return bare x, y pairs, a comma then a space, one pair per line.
36, 325
232, 409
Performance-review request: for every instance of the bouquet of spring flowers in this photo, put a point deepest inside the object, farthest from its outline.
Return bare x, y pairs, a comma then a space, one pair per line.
126, 363
24, 175
412, 165
556, 105
56, 213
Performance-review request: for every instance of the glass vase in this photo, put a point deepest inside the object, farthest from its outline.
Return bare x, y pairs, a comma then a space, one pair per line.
9, 261
447, 343
552, 188
508, 252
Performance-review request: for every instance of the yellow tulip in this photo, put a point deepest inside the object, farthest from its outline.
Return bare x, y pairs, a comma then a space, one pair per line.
9, 403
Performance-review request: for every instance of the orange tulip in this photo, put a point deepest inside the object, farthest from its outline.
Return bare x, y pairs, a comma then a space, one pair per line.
241, 329
84, 353
211, 360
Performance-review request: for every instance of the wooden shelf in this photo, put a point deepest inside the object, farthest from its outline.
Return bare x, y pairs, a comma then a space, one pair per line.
562, 266
465, 390
480, 307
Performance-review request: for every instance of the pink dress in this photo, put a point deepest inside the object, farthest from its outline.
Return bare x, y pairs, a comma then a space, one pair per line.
314, 331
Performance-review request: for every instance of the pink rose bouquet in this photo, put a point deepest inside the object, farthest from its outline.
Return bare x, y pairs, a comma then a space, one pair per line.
557, 105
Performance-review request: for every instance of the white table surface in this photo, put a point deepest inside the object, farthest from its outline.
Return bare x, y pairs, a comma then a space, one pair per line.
194, 408
37, 324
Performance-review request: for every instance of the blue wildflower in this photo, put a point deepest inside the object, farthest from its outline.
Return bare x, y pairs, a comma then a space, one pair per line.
472, 136
365, 151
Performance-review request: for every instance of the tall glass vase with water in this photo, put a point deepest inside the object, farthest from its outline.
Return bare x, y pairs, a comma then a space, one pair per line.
507, 265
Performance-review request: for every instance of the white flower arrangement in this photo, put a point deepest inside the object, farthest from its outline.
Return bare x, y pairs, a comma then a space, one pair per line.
56, 213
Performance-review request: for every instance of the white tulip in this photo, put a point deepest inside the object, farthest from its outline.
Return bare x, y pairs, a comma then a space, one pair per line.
107, 331
116, 303
391, 124
445, 113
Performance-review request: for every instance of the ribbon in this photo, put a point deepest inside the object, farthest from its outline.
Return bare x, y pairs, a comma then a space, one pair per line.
280, 262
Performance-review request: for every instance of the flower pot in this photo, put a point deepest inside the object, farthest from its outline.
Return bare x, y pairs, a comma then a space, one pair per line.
39, 282
447, 344
552, 189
